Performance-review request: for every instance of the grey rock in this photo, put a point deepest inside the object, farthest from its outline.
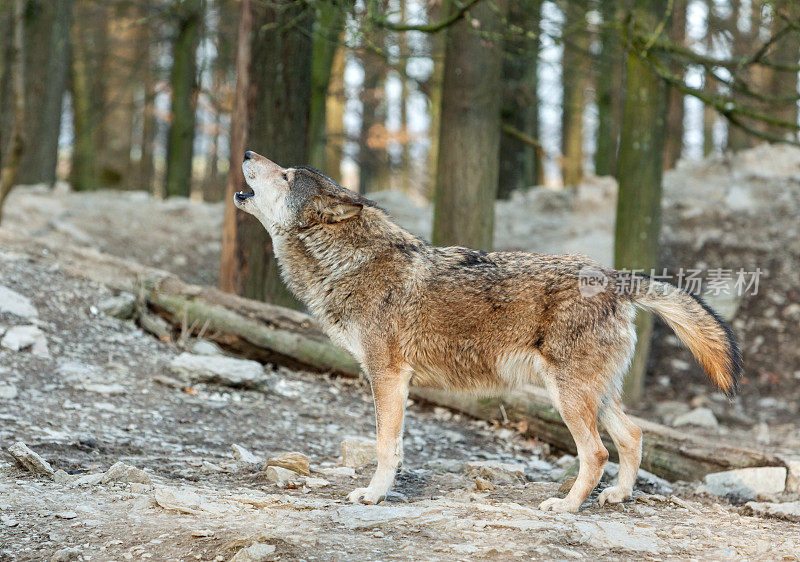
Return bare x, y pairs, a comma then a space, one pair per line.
121, 472
30, 460
104, 389
746, 483
61, 477
701, 417
20, 338
242, 455
258, 552
668, 410
86, 480
69, 514
122, 306
793, 476
205, 347
790, 511
358, 452
495, 471
219, 369
339, 471
8, 391
616, 534
16, 304
280, 476
315, 483
66, 554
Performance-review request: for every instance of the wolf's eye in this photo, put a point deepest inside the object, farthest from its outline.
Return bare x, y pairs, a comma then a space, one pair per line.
285, 177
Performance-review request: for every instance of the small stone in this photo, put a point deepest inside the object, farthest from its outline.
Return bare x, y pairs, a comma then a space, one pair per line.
701, 417
790, 511
358, 452
86, 480
669, 410
746, 483
341, 471
280, 476
184, 501
66, 514
219, 369
793, 477
8, 391
496, 472
20, 338
315, 483
66, 555
202, 533
30, 460
242, 455
205, 347
483, 485
121, 472
61, 477
16, 304
122, 306
296, 462
258, 552
104, 389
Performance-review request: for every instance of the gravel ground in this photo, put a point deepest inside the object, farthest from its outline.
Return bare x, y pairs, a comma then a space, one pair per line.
100, 397
103, 392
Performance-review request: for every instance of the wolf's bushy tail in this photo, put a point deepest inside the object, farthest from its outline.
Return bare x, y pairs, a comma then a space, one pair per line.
709, 339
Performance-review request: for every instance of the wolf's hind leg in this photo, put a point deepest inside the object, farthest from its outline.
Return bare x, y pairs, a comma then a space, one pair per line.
579, 410
628, 439
389, 392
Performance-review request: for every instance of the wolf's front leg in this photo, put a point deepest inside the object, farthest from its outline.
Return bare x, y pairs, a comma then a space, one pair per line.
390, 392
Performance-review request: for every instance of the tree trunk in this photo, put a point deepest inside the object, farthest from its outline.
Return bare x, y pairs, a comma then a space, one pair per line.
673, 144
574, 76
640, 170
16, 144
328, 27
784, 84
149, 125
273, 99
438, 44
47, 25
372, 155
469, 138
520, 163
334, 118
114, 109
609, 90
180, 144
83, 173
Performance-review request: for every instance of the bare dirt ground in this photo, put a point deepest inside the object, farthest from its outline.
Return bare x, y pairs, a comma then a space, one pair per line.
96, 400
98, 396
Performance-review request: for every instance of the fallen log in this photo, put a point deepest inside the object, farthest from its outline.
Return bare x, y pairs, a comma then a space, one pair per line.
274, 334
667, 452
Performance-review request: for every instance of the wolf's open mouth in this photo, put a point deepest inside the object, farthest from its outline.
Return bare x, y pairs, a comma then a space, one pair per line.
243, 195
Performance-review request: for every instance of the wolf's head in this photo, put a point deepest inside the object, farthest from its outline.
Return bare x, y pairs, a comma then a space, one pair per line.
285, 198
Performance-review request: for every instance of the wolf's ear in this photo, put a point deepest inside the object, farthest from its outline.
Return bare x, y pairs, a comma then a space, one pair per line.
337, 209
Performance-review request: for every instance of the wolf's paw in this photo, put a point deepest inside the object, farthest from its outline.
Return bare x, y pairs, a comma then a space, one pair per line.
614, 494
558, 504
366, 496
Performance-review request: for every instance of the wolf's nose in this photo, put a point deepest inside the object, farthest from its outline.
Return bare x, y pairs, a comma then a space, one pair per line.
248, 155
